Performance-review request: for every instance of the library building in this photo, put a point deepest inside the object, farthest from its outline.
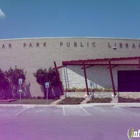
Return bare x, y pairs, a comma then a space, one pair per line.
101, 62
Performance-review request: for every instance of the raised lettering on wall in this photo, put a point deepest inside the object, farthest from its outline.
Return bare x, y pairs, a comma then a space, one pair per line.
30, 45
61, 44
93, 44
75, 44
81, 44
87, 44
37, 44
133, 46
44, 44
109, 46
24, 45
10, 45
68, 44
121, 45
3, 46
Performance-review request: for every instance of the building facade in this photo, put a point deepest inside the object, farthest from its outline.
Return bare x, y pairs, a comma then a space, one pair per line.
34, 53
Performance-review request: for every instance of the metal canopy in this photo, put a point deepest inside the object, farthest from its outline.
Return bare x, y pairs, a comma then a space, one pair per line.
105, 61
110, 62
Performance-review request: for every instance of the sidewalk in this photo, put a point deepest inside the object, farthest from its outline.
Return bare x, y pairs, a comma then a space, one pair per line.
111, 104
82, 105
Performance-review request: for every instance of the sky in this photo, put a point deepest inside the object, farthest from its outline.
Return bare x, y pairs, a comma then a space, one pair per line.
69, 18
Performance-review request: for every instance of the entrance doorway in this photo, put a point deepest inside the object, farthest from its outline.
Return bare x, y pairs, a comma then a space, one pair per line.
129, 81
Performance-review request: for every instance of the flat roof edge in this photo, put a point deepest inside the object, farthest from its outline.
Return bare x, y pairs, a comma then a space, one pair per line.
71, 38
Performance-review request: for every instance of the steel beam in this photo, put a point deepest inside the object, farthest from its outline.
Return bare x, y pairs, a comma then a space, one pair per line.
57, 73
60, 67
85, 75
87, 66
138, 64
112, 79
112, 66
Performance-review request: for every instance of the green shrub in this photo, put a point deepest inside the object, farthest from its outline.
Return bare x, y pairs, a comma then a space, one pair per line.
34, 97
26, 97
38, 97
41, 97
68, 90
97, 89
74, 89
81, 90
108, 90
44, 75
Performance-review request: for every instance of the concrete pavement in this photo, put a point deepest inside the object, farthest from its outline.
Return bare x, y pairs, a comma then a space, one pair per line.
67, 122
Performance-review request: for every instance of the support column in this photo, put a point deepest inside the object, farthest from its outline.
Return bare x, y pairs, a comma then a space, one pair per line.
139, 64
85, 75
67, 78
65, 82
57, 73
112, 79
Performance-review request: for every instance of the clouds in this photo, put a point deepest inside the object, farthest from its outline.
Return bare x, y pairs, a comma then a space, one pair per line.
2, 15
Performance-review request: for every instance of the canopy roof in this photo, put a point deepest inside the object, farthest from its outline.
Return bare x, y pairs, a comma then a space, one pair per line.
105, 61
110, 62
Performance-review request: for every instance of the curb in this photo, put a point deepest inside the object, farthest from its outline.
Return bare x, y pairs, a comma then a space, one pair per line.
27, 105
82, 105
57, 101
112, 105
9, 100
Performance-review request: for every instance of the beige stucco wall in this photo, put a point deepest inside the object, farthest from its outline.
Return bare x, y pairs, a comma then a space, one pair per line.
99, 75
61, 49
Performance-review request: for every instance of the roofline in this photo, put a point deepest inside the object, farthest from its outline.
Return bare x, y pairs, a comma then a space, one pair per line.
71, 38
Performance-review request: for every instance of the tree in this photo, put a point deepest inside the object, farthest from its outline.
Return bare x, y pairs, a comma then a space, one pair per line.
44, 75
41, 76
13, 75
52, 76
4, 83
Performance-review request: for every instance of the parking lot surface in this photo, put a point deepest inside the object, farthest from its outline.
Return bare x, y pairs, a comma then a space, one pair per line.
67, 122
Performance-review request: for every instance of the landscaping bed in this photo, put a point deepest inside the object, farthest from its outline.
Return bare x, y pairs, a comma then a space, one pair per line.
128, 100
74, 89
71, 100
100, 100
29, 101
